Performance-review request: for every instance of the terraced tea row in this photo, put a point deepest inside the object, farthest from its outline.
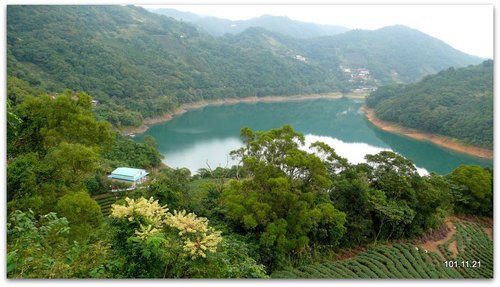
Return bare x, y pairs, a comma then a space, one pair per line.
409, 261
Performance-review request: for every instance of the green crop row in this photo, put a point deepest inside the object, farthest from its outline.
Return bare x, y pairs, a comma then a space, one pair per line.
409, 261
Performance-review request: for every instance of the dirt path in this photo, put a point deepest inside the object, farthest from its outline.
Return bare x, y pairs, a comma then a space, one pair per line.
433, 245
228, 101
442, 141
489, 232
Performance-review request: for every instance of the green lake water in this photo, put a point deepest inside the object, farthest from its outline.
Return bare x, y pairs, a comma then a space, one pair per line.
208, 135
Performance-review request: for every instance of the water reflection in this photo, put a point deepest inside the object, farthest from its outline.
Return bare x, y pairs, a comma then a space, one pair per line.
210, 133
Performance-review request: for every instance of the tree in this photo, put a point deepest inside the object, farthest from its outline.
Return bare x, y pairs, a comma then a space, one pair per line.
23, 176
350, 193
435, 202
126, 152
13, 123
82, 212
284, 202
158, 244
392, 196
170, 186
456, 103
49, 120
39, 248
71, 163
473, 190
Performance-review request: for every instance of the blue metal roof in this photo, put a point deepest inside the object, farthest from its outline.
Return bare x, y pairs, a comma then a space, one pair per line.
128, 171
128, 174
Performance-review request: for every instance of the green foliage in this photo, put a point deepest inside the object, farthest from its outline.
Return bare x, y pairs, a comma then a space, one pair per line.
138, 64
385, 198
177, 245
170, 187
105, 201
408, 261
18, 90
234, 171
82, 212
39, 248
97, 184
57, 149
473, 190
392, 54
126, 152
71, 163
350, 192
474, 243
22, 176
456, 102
284, 202
50, 120
404, 203
435, 202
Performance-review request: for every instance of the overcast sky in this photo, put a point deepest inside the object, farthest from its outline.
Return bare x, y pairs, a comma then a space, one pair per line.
468, 28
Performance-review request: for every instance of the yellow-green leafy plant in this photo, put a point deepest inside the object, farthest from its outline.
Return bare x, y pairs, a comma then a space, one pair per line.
148, 210
196, 236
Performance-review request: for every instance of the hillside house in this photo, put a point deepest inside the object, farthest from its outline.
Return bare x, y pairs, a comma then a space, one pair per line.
127, 174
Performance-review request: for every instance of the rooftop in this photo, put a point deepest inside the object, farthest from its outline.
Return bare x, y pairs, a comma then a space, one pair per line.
128, 171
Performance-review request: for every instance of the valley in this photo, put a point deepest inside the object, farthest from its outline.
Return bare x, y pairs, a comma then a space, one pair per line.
154, 143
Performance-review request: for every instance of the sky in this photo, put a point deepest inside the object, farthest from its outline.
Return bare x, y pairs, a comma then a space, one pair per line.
468, 28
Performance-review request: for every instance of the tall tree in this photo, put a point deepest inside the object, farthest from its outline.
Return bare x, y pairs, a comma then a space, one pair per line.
284, 202
473, 190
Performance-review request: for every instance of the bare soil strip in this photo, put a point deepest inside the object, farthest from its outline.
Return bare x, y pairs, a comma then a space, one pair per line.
434, 245
442, 141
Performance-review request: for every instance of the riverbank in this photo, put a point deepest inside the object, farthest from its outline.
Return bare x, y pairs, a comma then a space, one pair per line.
227, 101
439, 140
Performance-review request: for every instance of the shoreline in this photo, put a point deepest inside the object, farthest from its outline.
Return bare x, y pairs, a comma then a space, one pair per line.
442, 141
128, 131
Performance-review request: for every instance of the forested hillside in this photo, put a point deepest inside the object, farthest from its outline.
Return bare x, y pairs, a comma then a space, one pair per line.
280, 24
457, 103
139, 64
394, 53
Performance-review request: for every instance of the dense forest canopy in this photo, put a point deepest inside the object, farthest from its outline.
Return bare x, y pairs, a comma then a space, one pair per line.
456, 102
139, 64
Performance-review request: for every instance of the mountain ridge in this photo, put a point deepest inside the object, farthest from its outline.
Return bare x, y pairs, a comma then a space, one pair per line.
138, 64
281, 24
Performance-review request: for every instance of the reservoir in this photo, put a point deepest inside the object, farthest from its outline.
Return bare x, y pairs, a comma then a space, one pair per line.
206, 136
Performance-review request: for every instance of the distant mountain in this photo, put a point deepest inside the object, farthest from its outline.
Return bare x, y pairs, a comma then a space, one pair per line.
395, 53
139, 64
279, 24
456, 102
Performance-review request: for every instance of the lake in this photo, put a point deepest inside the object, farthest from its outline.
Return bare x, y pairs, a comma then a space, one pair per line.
208, 135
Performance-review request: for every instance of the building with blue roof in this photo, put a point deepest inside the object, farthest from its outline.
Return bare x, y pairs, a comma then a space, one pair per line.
133, 175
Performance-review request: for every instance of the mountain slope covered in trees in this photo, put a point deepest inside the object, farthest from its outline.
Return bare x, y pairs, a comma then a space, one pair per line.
280, 24
139, 64
394, 53
456, 102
